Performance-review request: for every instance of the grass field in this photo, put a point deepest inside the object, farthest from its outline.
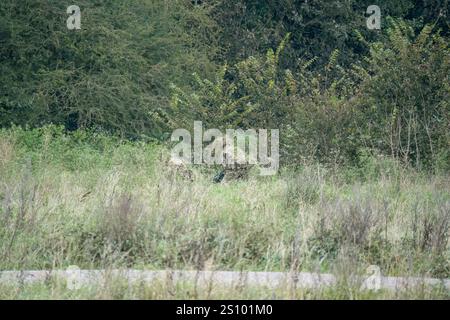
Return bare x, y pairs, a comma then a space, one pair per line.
94, 201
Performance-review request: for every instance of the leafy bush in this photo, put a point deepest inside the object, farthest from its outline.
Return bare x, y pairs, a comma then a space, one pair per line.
114, 73
254, 93
404, 109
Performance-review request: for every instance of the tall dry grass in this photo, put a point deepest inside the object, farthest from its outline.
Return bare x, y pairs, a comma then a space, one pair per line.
118, 205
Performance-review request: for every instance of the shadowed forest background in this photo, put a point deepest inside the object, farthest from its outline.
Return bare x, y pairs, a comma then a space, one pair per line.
364, 118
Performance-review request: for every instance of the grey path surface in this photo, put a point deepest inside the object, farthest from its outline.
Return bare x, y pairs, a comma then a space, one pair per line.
227, 278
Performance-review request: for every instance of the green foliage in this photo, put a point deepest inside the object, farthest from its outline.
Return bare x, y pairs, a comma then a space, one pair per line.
72, 151
394, 102
317, 27
319, 125
114, 73
254, 93
404, 109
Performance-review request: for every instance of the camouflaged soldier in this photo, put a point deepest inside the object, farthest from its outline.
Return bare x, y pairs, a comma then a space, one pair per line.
233, 171
177, 168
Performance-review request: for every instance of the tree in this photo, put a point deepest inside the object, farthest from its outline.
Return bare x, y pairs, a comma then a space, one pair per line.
114, 73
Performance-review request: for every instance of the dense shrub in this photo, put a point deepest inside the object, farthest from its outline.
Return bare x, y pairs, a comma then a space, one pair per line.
114, 73
395, 102
250, 27
404, 108
253, 93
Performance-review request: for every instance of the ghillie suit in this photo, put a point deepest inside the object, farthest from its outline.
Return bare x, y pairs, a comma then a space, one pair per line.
232, 172
178, 169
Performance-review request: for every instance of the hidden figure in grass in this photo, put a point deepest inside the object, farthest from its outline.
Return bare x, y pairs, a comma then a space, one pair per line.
237, 151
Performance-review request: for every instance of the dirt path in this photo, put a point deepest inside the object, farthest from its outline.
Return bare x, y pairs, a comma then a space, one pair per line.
226, 278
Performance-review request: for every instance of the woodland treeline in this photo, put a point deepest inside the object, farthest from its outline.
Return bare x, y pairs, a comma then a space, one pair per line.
337, 91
